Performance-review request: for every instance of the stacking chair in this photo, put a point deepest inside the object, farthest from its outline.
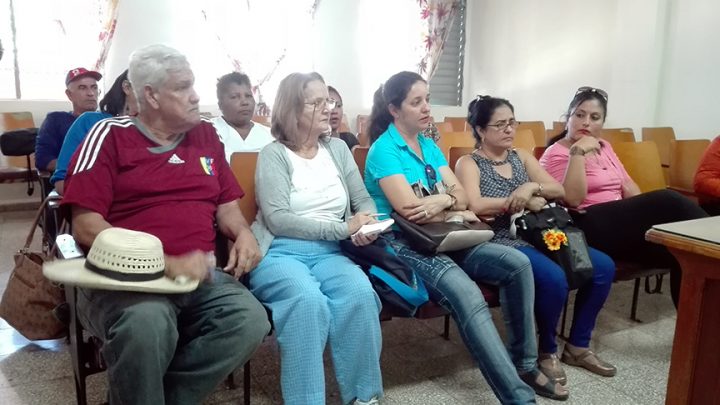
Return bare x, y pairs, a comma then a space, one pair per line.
444, 127
662, 136
262, 119
538, 151
450, 139
458, 124
685, 158
361, 123
537, 128
642, 162
617, 135
525, 139
456, 152
243, 166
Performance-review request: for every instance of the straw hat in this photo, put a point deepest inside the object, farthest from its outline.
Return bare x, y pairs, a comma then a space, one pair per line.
120, 259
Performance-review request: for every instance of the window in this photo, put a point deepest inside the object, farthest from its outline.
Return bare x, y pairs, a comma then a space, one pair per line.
447, 82
43, 39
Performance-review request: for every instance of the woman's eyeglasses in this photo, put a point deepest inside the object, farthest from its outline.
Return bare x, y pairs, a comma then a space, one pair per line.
329, 102
503, 125
588, 89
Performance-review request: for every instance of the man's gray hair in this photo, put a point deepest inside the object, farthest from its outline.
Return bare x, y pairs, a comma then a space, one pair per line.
150, 65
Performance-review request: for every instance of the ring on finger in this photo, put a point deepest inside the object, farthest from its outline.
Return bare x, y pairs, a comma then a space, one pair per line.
425, 212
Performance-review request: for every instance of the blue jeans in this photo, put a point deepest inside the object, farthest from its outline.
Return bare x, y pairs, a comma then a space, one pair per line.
551, 293
452, 285
317, 296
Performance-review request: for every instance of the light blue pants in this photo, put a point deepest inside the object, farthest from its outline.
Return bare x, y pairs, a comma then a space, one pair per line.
317, 295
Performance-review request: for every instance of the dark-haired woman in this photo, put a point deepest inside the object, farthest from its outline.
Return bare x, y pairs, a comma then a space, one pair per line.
400, 156
501, 181
617, 214
119, 100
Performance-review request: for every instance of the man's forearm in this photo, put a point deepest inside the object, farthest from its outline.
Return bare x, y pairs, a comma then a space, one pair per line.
231, 220
87, 225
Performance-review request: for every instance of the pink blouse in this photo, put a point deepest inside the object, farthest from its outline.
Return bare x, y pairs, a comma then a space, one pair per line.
604, 173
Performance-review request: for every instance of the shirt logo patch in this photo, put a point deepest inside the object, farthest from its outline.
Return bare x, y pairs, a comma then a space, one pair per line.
208, 165
175, 159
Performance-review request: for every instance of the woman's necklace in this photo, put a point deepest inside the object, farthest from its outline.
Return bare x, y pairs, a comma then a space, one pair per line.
493, 161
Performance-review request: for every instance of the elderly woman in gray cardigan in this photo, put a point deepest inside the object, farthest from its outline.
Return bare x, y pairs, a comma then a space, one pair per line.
311, 196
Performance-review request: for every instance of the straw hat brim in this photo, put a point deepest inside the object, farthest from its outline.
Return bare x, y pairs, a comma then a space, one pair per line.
73, 272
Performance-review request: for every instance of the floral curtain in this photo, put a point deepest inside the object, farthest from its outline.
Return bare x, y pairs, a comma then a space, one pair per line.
109, 8
437, 17
251, 44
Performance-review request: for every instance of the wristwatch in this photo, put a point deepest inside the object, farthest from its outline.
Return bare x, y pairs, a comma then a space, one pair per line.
577, 151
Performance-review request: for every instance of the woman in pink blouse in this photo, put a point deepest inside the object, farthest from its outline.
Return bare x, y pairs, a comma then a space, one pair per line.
617, 214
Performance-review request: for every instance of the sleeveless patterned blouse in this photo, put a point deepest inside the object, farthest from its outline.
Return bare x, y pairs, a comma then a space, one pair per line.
492, 184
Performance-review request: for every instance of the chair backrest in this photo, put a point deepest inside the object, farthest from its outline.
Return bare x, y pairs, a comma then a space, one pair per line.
684, 160
538, 151
456, 152
524, 139
262, 119
444, 127
537, 128
558, 126
450, 139
459, 124
243, 167
662, 136
360, 155
617, 135
642, 162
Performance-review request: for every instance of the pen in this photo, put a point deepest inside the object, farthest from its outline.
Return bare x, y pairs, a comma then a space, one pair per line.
379, 214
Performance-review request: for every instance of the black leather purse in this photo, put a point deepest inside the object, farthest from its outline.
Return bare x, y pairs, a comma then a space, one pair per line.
438, 237
553, 232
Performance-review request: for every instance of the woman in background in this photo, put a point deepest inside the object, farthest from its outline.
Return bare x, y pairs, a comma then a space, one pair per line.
707, 179
616, 214
501, 181
311, 196
336, 117
401, 155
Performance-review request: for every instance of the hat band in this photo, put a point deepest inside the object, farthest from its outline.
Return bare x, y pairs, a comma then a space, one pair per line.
116, 275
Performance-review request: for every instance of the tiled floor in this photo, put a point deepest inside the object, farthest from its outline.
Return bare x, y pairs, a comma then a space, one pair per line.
419, 367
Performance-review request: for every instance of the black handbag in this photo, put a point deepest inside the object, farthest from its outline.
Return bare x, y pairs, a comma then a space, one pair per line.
399, 288
438, 237
553, 232
20, 142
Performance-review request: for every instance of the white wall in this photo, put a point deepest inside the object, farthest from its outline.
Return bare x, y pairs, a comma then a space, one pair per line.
656, 58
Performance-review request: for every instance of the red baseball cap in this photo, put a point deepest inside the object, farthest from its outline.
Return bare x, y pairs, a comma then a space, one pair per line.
77, 73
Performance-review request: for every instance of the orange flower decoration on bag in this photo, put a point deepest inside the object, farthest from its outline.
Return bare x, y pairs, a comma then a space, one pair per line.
554, 239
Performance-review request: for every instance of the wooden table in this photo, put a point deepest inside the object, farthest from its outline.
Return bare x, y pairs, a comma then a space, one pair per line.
695, 363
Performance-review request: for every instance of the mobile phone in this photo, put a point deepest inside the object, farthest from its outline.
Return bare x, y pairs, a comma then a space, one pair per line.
376, 228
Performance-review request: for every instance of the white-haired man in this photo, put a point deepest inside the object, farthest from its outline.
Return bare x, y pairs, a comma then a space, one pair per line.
164, 173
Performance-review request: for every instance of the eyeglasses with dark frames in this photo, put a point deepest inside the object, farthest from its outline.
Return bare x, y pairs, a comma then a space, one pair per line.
331, 103
503, 125
588, 89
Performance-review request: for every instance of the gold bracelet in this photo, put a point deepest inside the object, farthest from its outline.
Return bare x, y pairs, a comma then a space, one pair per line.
539, 190
453, 200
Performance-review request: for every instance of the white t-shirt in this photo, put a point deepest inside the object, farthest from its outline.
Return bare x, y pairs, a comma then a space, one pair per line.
317, 190
258, 137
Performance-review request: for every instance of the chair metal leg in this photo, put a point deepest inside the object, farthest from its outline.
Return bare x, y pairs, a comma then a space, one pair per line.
633, 308
80, 392
446, 331
246, 383
230, 381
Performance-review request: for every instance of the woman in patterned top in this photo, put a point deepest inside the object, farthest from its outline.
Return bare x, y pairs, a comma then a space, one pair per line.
501, 181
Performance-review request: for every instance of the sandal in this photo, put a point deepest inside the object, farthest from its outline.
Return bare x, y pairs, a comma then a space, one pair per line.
549, 364
589, 361
551, 389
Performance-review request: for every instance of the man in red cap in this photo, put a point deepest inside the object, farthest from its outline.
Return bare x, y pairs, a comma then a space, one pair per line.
82, 90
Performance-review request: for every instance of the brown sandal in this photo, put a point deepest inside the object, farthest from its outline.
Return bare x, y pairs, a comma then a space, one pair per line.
589, 361
549, 364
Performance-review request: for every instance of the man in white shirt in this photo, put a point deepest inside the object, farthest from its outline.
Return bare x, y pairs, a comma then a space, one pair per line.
235, 127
